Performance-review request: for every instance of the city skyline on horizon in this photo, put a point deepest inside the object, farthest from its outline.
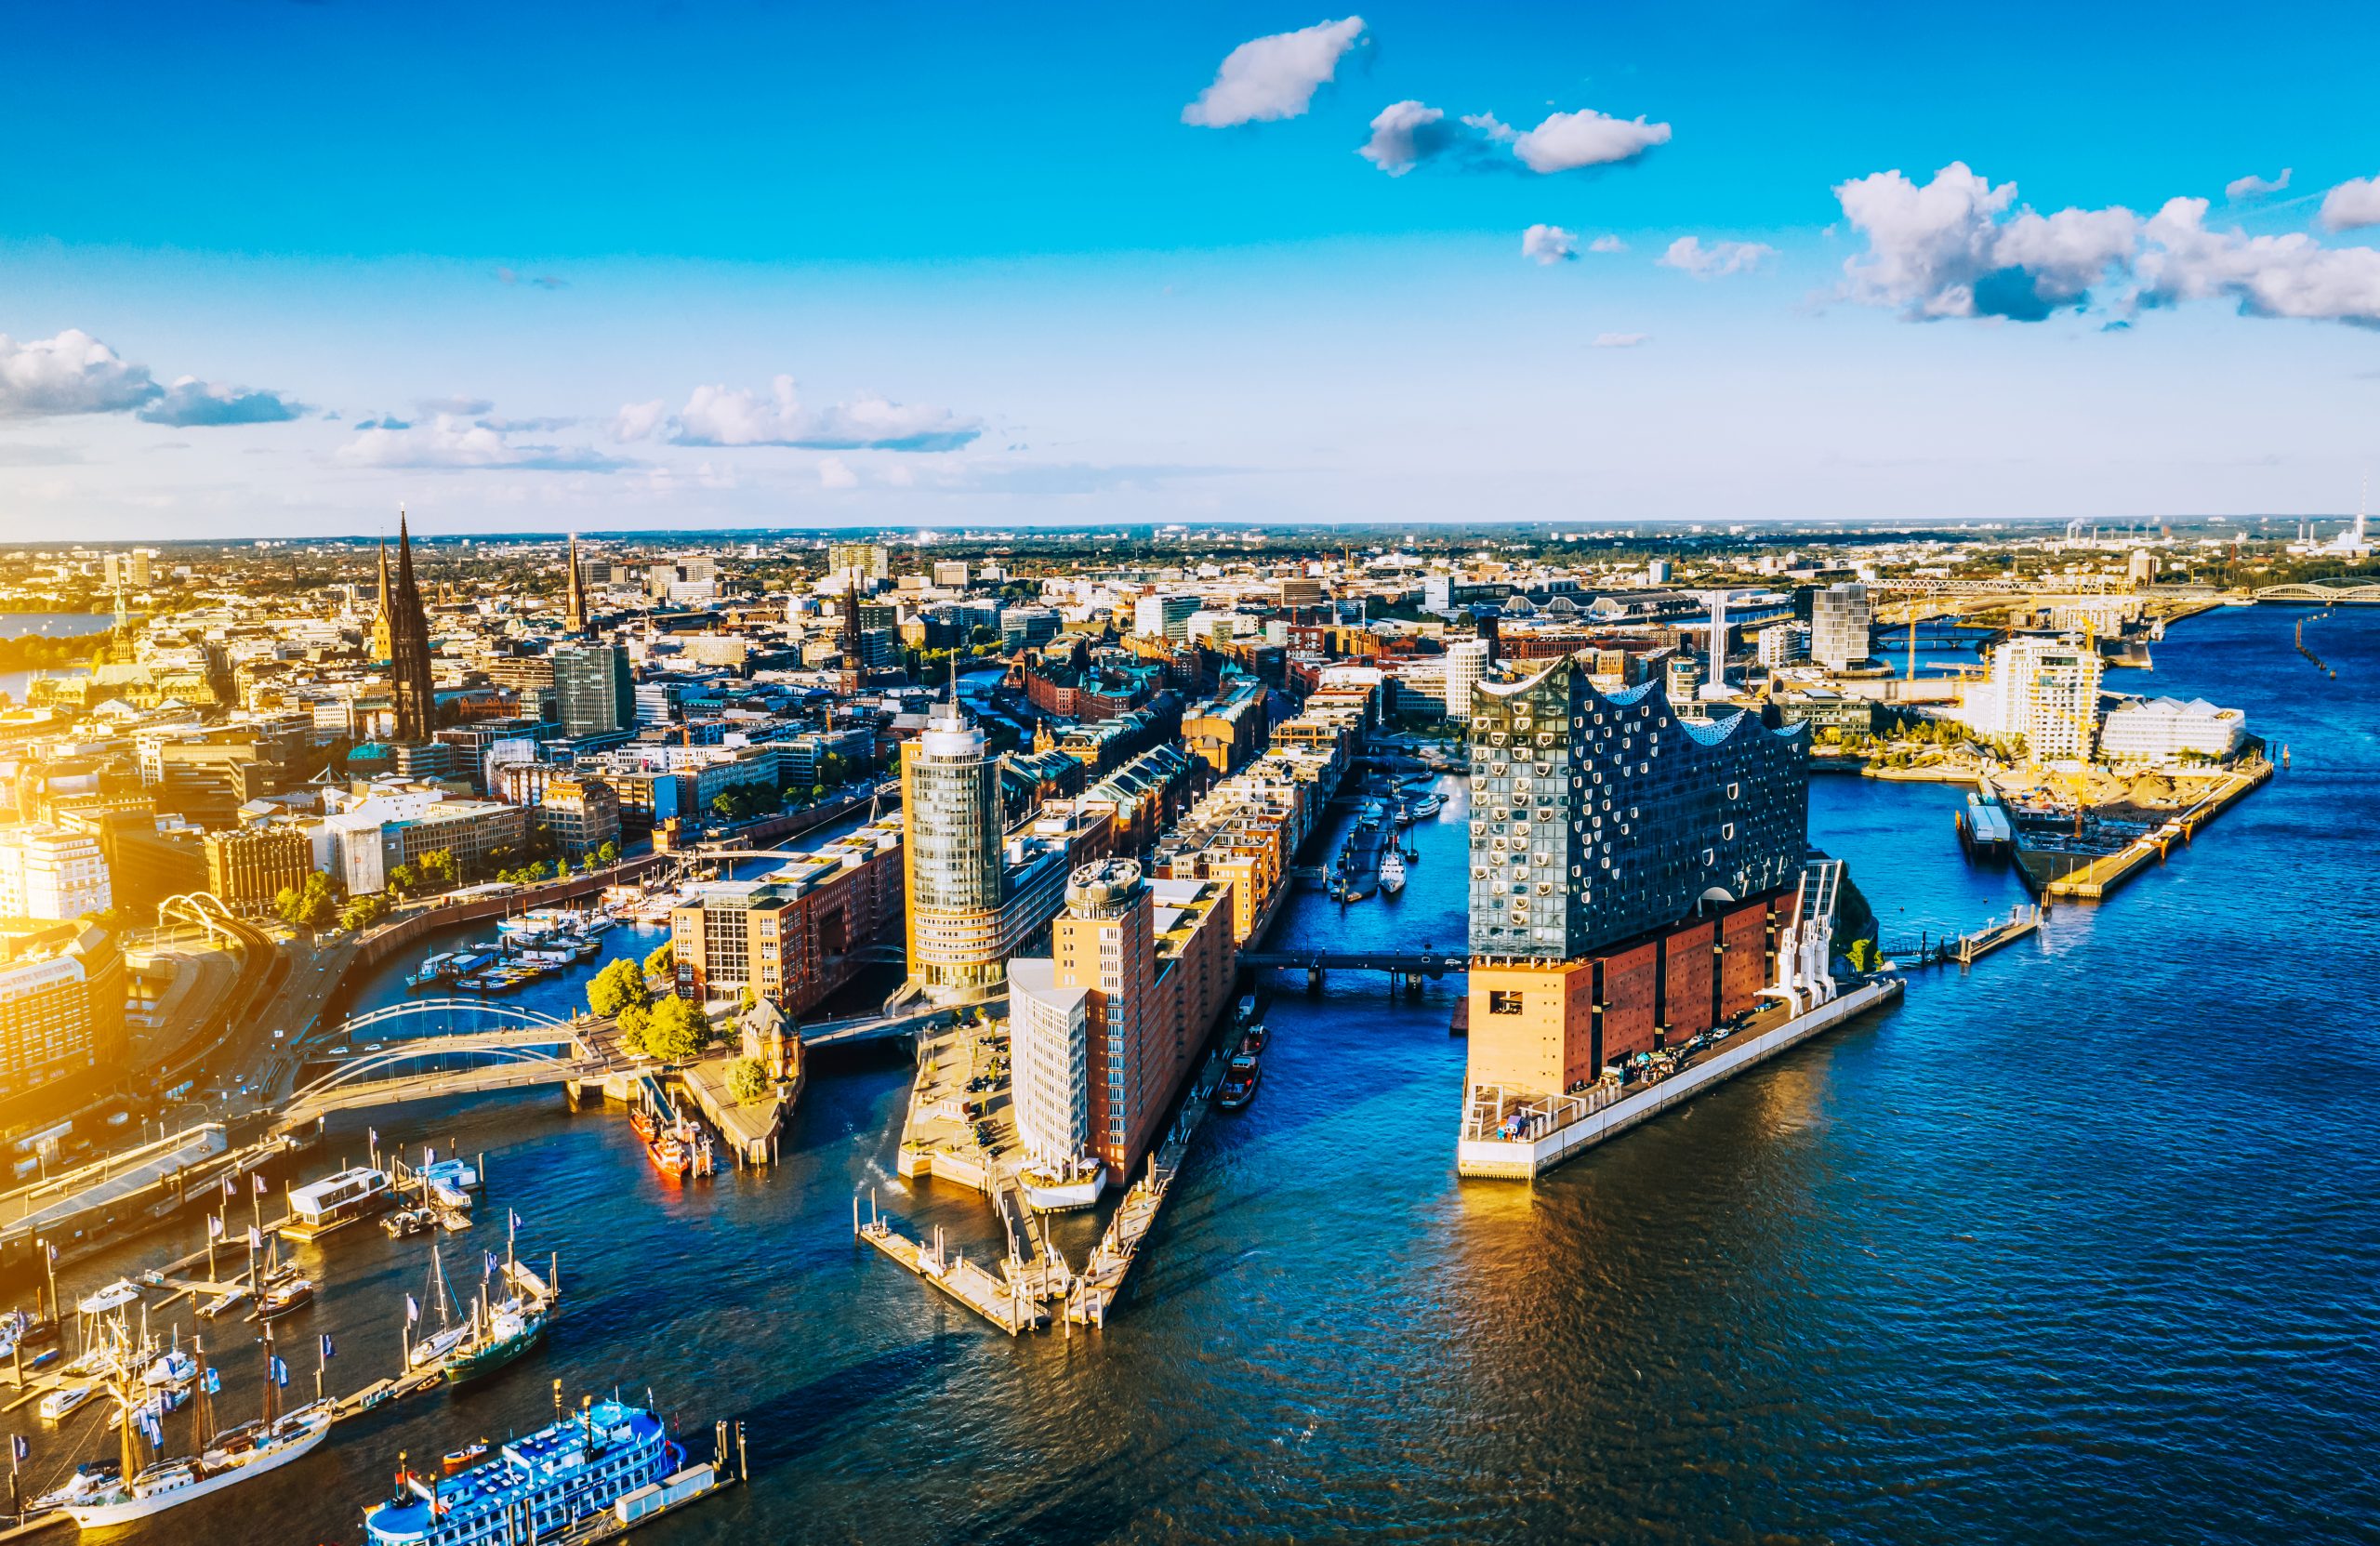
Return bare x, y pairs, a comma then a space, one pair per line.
1245, 266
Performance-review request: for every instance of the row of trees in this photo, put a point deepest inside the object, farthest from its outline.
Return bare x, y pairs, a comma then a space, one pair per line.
671, 1028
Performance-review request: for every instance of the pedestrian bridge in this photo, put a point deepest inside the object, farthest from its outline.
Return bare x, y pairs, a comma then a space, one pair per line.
1408, 963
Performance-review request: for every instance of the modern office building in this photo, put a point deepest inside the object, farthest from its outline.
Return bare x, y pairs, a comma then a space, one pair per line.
52, 872
868, 560
248, 868
1164, 617
950, 814
1049, 1062
61, 1014
594, 690
1627, 866
1839, 623
2169, 731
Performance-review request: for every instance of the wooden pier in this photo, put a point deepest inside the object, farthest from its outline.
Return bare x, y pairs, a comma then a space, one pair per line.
1001, 1303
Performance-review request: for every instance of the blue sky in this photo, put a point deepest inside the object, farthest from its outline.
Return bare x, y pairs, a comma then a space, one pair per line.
544, 267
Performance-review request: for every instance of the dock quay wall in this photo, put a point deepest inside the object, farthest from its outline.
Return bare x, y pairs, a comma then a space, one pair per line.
1519, 1160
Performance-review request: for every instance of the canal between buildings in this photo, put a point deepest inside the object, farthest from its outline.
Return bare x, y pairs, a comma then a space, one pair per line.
2079, 1246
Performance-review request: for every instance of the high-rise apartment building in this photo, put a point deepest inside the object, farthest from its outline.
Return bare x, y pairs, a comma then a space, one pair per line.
1048, 1063
950, 813
2045, 690
248, 868
869, 561
1839, 624
951, 573
1105, 943
51, 872
1466, 667
1777, 645
594, 690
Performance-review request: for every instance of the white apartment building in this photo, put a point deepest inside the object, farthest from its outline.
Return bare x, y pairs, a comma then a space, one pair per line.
1839, 623
2045, 690
48, 872
1466, 664
1777, 645
2167, 730
1163, 616
1049, 1041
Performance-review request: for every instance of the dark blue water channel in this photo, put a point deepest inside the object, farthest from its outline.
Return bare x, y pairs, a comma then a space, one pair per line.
2080, 1246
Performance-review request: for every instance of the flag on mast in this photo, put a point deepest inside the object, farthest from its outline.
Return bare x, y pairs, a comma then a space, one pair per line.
412, 1310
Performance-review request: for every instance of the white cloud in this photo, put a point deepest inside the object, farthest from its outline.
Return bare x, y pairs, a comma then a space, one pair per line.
2352, 205
72, 373
1606, 243
1566, 141
1549, 244
2267, 276
451, 443
834, 472
1950, 249
191, 404
731, 416
1689, 255
1274, 77
1405, 135
2254, 187
639, 420
1408, 133
1620, 340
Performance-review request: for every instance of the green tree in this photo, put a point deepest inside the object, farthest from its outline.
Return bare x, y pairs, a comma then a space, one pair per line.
663, 962
748, 1000
438, 866
635, 1021
680, 1030
609, 854
1863, 954
313, 906
746, 1080
405, 879
363, 912
618, 985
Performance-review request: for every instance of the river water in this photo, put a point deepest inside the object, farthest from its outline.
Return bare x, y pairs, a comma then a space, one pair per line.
2080, 1246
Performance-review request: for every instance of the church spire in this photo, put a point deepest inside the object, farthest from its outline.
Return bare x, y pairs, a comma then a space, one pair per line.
574, 607
409, 647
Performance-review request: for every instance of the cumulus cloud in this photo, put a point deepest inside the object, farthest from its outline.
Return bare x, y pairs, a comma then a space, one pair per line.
1688, 255
1566, 141
72, 373
452, 443
1606, 243
2352, 205
1950, 248
834, 472
1620, 340
1549, 244
1408, 133
1274, 77
2267, 276
191, 403
2254, 187
731, 416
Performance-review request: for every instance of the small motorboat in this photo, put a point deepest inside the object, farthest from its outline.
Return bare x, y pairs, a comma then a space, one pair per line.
283, 1298
1392, 872
46, 1357
173, 1367
1239, 1082
65, 1400
671, 1155
231, 1298
455, 1459
91, 1477
115, 1296
408, 1221
1253, 1039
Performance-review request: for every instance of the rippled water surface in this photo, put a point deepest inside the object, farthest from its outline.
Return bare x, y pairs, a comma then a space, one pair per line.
2078, 1246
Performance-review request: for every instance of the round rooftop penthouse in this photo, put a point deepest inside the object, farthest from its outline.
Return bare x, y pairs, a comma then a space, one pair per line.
1105, 886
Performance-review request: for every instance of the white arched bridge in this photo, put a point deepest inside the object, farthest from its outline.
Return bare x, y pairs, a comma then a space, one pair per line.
502, 1047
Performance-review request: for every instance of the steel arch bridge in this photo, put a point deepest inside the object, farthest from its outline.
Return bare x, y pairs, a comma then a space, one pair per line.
2364, 594
532, 1048
205, 909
